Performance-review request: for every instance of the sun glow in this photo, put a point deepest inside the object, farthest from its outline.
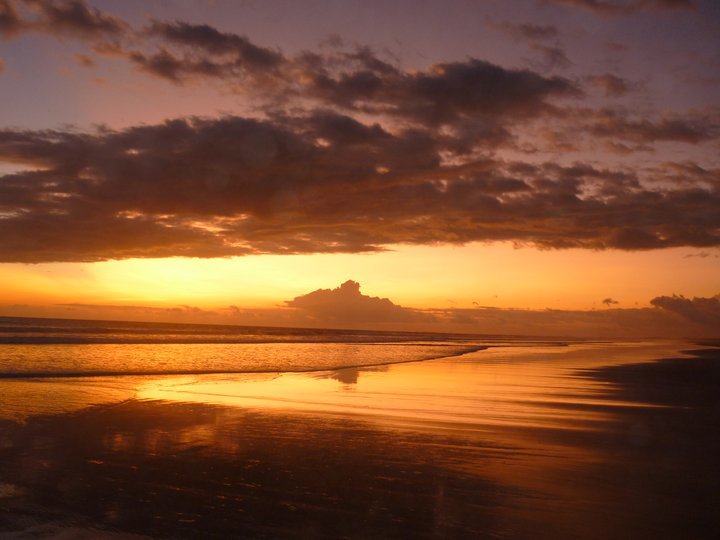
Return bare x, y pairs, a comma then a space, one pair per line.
420, 277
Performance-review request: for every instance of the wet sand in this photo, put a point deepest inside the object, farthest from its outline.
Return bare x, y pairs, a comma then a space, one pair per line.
587, 441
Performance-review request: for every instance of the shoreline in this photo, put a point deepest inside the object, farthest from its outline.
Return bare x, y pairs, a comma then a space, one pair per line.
518, 444
148, 373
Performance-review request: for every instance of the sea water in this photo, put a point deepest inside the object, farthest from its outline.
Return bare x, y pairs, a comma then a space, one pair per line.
78, 348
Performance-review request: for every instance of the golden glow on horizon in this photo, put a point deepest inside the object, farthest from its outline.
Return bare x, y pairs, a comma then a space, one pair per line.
413, 276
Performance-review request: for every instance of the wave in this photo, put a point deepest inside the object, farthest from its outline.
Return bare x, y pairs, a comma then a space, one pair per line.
198, 340
27, 331
215, 361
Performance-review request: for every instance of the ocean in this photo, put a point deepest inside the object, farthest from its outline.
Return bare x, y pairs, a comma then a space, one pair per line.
53, 366
83, 348
133, 431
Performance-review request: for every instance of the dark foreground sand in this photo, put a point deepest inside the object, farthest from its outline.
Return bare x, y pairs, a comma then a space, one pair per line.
592, 443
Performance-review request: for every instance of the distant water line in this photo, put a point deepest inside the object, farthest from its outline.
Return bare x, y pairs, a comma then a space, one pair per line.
48, 348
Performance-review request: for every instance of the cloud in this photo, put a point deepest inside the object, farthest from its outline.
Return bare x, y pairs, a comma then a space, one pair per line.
230, 315
552, 54
322, 182
206, 38
528, 31
356, 80
10, 23
625, 7
73, 18
444, 93
85, 61
704, 311
610, 301
199, 50
689, 129
609, 323
347, 152
611, 85
347, 305
553, 57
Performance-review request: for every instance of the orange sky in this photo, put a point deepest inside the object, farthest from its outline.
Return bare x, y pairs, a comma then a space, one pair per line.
244, 156
419, 277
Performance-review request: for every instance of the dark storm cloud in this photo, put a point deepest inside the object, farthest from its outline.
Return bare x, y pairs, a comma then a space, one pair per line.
347, 305
624, 7
322, 182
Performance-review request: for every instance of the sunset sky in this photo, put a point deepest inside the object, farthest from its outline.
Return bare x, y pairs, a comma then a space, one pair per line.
534, 166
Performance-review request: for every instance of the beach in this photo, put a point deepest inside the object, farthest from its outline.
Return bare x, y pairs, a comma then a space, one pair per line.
276, 270
587, 440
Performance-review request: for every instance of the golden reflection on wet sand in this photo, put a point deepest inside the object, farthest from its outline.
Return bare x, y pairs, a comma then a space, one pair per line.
512, 442
500, 386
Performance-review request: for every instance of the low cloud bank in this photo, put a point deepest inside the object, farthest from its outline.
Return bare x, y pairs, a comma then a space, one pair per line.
703, 311
347, 307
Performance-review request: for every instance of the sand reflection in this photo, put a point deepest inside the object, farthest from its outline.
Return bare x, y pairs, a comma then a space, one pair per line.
538, 443
533, 387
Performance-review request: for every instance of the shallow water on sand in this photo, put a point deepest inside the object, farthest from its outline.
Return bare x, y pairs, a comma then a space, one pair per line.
525, 441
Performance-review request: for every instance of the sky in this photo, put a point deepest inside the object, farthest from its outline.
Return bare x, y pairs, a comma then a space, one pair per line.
537, 166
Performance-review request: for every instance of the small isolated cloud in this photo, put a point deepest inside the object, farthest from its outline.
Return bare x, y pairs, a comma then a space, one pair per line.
347, 305
610, 302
